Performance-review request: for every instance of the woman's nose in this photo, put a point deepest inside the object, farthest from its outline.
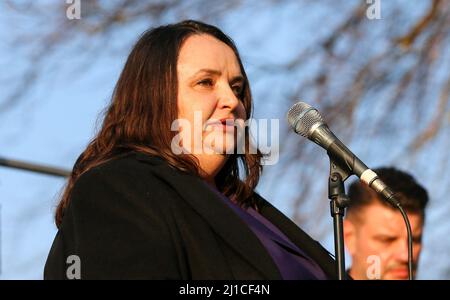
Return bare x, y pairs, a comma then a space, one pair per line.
227, 99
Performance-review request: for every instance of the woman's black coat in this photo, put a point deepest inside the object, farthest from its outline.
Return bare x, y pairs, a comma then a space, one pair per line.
137, 218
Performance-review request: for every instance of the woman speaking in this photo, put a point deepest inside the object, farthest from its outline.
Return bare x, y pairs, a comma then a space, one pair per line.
145, 201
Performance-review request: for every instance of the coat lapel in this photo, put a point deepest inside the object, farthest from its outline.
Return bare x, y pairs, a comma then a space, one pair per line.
222, 219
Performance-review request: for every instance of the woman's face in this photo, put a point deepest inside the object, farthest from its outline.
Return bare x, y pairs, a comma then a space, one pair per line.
209, 85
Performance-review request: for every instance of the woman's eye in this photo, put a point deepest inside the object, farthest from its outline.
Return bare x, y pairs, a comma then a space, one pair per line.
206, 82
237, 89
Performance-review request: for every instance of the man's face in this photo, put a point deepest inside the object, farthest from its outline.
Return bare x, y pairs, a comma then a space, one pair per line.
377, 234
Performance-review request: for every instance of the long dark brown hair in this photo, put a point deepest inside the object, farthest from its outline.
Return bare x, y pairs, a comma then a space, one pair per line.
143, 106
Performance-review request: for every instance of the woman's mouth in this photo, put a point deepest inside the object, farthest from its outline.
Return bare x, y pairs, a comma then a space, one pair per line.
223, 124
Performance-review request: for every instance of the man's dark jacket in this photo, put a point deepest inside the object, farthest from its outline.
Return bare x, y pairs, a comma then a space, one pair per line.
135, 217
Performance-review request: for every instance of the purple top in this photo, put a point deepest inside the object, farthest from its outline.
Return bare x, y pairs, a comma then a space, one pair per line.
292, 262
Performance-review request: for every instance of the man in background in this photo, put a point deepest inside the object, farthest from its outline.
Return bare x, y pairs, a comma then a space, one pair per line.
374, 232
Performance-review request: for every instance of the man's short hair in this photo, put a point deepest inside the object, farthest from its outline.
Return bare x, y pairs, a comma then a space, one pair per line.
411, 195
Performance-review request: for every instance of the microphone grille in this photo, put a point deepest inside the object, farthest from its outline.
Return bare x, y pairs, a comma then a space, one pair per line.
302, 116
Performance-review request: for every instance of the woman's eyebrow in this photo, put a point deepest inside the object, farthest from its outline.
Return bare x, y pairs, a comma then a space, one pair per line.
209, 71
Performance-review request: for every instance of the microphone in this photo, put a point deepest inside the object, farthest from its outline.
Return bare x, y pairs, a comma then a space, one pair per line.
307, 121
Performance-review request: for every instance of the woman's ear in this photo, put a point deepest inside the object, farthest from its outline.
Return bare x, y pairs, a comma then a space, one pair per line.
350, 236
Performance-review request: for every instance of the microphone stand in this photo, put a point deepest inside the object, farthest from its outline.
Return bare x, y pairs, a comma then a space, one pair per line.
338, 202
21, 165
